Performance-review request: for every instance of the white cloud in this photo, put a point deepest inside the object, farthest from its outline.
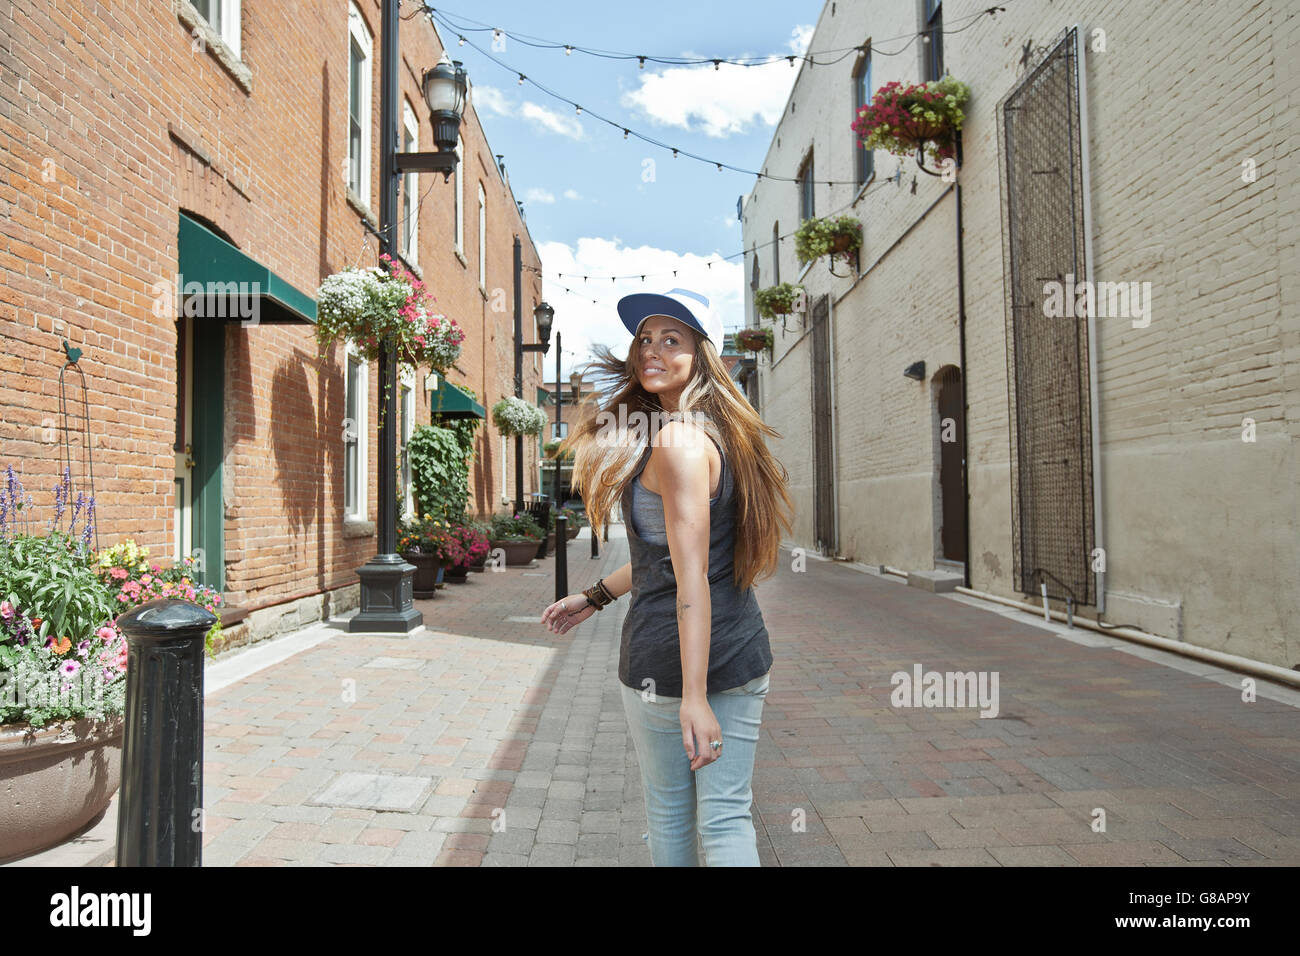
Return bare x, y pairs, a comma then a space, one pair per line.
539, 196
571, 194
492, 100
584, 322
551, 121
489, 99
719, 102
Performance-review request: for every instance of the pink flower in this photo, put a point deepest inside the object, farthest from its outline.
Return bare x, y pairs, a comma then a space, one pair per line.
119, 573
6, 610
105, 633
146, 579
68, 668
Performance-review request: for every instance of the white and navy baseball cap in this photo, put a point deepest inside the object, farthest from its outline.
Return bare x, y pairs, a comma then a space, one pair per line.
688, 307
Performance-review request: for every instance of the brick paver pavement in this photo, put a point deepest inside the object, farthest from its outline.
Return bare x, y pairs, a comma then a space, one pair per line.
513, 748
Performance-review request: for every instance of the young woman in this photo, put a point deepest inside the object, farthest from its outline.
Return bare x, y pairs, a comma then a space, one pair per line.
681, 450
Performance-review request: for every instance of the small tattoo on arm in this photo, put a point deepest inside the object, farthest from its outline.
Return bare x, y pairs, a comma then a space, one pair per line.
681, 606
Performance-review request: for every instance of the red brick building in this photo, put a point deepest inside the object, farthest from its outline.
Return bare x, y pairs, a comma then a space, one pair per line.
147, 146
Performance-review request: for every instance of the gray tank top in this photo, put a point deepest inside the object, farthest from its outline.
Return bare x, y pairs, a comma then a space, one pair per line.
738, 644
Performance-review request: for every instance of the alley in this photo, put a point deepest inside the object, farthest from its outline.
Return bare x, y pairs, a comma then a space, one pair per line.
488, 741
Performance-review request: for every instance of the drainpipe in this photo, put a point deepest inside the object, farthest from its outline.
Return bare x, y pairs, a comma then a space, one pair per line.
961, 337
1094, 405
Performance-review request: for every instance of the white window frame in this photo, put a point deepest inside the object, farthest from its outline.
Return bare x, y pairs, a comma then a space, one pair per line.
460, 196
482, 238
227, 24
559, 431
359, 34
410, 204
406, 415
360, 512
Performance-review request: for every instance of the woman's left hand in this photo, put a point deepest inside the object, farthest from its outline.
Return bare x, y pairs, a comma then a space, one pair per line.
699, 727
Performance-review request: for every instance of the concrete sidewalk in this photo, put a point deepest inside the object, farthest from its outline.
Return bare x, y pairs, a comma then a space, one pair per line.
486, 740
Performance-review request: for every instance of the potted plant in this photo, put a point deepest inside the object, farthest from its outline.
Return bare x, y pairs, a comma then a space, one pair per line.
575, 522
132, 580
517, 535
427, 543
469, 546
551, 447
779, 300
755, 340
514, 416
369, 307
841, 236
482, 530
918, 117
62, 674
439, 472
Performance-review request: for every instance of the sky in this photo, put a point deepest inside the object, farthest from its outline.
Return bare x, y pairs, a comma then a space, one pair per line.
597, 204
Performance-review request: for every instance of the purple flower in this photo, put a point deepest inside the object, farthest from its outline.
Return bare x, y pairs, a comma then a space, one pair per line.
87, 531
83, 648
68, 668
76, 510
62, 491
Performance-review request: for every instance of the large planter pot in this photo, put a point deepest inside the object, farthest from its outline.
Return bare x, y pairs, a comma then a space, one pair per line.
428, 567
518, 551
456, 574
54, 780
840, 244
479, 563
572, 533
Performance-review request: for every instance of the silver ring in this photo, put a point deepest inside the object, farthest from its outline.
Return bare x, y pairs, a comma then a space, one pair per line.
715, 744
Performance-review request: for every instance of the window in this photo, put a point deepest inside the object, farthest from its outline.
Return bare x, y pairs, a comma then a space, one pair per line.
559, 430
805, 181
360, 47
410, 199
406, 424
223, 17
460, 197
354, 437
864, 159
776, 253
482, 238
933, 30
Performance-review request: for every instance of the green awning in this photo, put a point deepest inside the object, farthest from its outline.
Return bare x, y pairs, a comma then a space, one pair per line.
450, 402
218, 281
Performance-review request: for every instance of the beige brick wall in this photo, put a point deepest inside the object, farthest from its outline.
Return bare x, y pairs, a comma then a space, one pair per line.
1193, 516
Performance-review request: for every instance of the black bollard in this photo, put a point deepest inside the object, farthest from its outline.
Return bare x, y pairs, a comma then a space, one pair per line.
561, 556
159, 819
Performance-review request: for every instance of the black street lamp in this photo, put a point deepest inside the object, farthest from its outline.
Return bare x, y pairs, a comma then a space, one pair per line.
386, 579
543, 315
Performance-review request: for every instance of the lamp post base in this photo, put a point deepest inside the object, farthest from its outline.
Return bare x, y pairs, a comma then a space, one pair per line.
386, 591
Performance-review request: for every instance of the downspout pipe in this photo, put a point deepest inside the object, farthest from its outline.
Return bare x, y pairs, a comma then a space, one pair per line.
961, 340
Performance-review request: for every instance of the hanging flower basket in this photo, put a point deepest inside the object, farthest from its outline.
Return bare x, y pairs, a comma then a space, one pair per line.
370, 306
514, 416
778, 299
839, 237
904, 119
755, 340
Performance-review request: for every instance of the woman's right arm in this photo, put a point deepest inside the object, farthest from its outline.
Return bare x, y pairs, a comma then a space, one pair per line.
574, 609
620, 582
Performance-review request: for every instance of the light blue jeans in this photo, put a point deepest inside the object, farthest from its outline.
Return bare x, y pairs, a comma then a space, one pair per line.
715, 800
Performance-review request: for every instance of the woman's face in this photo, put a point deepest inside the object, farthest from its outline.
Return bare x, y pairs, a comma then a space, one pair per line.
664, 354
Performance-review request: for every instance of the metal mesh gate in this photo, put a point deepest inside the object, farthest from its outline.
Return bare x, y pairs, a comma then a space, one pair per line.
1047, 354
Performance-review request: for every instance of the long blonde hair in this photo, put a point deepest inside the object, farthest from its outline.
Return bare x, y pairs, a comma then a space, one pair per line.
605, 457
